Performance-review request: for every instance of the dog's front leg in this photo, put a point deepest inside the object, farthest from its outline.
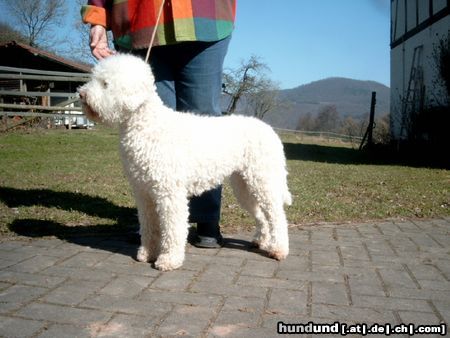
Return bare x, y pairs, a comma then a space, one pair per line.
149, 227
173, 215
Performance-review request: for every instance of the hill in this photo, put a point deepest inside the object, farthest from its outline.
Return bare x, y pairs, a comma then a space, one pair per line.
351, 98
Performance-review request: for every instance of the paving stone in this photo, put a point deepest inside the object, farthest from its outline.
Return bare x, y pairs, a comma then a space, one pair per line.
63, 314
426, 272
186, 320
79, 273
323, 275
6, 245
418, 318
371, 287
379, 248
441, 285
34, 264
346, 234
295, 263
73, 292
325, 258
127, 286
391, 303
418, 294
443, 306
354, 252
289, 302
229, 289
244, 304
259, 268
126, 305
174, 280
67, 331
133, 268
236, 318
85, 259
236, 331
4, 285
30, 278
47, 242
219, 274
397, 279
242, 253
180, 297
18, 327
352, 314
408, 226
15, 296
14, 256
270, 282
129, 326
329, 293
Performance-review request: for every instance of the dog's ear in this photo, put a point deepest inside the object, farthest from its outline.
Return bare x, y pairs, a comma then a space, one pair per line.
137, 81
135, 96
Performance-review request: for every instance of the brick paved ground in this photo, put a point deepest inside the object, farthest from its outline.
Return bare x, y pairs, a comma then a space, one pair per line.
390, 272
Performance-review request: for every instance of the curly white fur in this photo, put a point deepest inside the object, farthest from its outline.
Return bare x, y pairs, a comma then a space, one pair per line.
169, 156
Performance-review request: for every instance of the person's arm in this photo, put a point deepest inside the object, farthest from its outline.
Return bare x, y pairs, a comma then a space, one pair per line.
96, 13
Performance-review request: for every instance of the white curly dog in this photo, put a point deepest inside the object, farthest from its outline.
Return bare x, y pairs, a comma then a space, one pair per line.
160, 153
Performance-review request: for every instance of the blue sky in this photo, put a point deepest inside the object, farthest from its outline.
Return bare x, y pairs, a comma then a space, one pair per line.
308, 40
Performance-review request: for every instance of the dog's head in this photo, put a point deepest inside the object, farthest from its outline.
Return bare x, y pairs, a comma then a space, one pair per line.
120, 84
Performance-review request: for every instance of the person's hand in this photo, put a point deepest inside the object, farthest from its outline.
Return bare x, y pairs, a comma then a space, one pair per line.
99, 42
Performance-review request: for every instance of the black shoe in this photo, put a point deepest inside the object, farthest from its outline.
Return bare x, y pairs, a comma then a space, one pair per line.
208, 242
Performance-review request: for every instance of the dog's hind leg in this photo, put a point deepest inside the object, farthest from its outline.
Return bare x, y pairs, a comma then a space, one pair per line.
278, 244
173, 214
270, 198
248, 201
149, 227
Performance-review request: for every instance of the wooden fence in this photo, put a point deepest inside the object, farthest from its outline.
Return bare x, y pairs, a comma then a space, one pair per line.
21, 103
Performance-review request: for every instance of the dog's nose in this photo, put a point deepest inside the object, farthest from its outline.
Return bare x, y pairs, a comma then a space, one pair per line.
82, 94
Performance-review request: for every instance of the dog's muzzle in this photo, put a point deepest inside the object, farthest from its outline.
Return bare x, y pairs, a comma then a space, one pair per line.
90, 113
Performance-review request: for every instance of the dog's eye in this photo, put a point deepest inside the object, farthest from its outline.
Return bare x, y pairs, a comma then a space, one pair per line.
105, 84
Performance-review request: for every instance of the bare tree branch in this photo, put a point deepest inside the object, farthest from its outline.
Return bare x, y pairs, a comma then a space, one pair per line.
37, 19
248, 78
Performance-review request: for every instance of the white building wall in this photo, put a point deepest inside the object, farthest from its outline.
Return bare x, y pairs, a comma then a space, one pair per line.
406, 20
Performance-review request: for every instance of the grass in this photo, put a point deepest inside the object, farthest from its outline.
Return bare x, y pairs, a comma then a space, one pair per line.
57, 182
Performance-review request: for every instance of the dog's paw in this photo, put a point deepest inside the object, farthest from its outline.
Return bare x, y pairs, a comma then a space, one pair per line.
255, 244
166, 262
143, 255
278, 254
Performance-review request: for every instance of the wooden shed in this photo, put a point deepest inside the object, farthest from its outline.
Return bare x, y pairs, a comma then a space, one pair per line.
34, 78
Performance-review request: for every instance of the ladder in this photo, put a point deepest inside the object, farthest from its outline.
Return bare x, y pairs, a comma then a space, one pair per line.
413, 99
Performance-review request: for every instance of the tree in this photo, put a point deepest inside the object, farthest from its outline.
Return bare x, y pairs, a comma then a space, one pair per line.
327, 119
247, 79
36, 19
306, 122
264, 100
7, 34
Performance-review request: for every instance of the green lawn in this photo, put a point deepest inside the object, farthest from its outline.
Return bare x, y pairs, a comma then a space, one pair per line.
58, 182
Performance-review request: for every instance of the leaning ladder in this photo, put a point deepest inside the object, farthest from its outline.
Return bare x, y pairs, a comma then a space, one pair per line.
414, 94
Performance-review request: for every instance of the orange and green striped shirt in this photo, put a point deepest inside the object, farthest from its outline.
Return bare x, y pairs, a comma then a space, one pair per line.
132, 21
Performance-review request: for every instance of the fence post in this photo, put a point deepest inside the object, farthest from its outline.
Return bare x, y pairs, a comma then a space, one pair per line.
369, 131
5, 121
371, 119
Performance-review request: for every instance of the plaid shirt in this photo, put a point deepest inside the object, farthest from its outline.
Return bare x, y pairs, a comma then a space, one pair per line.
132, 21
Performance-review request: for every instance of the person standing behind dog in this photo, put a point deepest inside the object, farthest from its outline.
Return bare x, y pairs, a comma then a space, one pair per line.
187, 58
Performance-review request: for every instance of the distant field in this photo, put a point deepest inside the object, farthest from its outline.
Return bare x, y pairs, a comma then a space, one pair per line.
59, 182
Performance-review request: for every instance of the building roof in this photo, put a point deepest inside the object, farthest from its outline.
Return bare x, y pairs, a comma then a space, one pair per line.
61, 62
